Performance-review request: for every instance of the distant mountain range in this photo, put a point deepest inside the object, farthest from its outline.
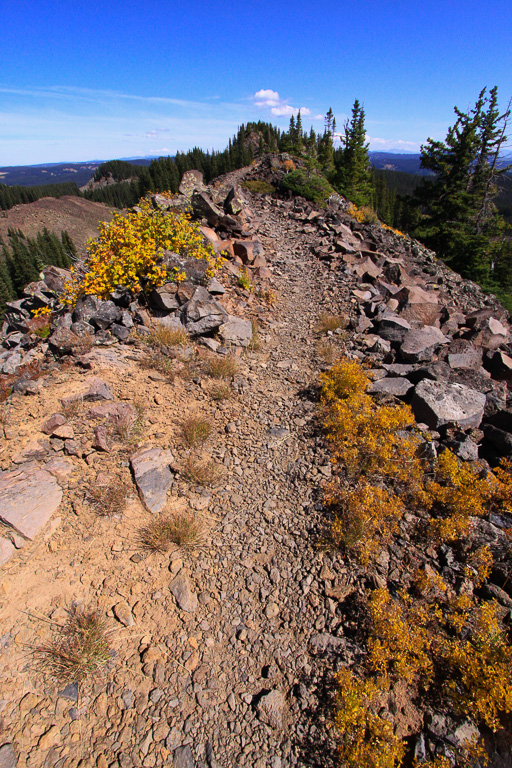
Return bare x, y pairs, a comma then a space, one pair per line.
56, 173
81, 173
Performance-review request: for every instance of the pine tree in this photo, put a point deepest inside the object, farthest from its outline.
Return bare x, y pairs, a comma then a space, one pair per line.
460, 220
354, 176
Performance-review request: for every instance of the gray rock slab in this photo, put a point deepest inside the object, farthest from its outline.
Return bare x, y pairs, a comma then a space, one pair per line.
436, 403
396, 386
323, 642
8, 757
236, 331
420, 343
393, 328
202, 316
183, 594
28, 498
270, 709
182, 758
153, 476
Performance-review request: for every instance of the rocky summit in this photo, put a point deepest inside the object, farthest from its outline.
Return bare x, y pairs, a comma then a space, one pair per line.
222, 647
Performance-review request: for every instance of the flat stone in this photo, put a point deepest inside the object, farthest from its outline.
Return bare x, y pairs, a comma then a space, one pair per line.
180, 589
60, 468
270, 709
420, 344
8, 757
396, 386
436, 403
96, 389
324, 642
64, 432
182, 757
236, 331
153, 476
33, 451
203, 315
101, 439
28, 499
114, 411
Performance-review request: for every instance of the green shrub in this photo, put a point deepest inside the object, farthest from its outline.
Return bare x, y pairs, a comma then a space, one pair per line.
313, 187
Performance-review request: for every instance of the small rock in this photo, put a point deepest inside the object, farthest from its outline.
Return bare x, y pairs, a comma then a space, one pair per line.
186, 599
123, 613
270, 709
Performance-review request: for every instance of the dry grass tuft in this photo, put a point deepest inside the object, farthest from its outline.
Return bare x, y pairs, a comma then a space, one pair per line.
163, 336
221, 391
157, 361
196, 430
205, 473
79, 650
327, 322
184, 530
255, 343
222, 367
110, 499
326, 352
72, 409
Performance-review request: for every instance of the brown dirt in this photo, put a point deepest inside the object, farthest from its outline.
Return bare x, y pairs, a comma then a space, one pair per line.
78, 216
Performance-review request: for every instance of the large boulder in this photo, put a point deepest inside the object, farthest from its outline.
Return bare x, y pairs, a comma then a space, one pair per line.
392, 327
236, 331
203, 315
204, 207
190, 182
164, 298
436, 403
419, 344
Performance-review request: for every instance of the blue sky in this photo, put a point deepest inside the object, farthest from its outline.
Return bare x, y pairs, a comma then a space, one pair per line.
82, 79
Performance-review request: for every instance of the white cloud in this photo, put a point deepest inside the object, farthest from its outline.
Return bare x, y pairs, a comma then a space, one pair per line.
280, 107
266, 98
377, 143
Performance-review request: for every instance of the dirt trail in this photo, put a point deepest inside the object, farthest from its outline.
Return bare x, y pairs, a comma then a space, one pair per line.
238, 682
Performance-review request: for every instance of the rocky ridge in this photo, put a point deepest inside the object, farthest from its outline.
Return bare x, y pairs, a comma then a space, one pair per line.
225, 657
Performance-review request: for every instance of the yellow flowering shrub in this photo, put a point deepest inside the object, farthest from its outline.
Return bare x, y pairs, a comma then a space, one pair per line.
366, 739
481, 682
129, 251
460, 491
400, 637
365, 518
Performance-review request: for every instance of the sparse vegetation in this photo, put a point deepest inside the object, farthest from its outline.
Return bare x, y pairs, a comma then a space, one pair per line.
222, 367
259, 187
326, 352
244, 280
327, 322
312, 186
184, 530
205, 473
154, 360
221, 391
80, 649
196, 430
108, 500
255, 342
162, 335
